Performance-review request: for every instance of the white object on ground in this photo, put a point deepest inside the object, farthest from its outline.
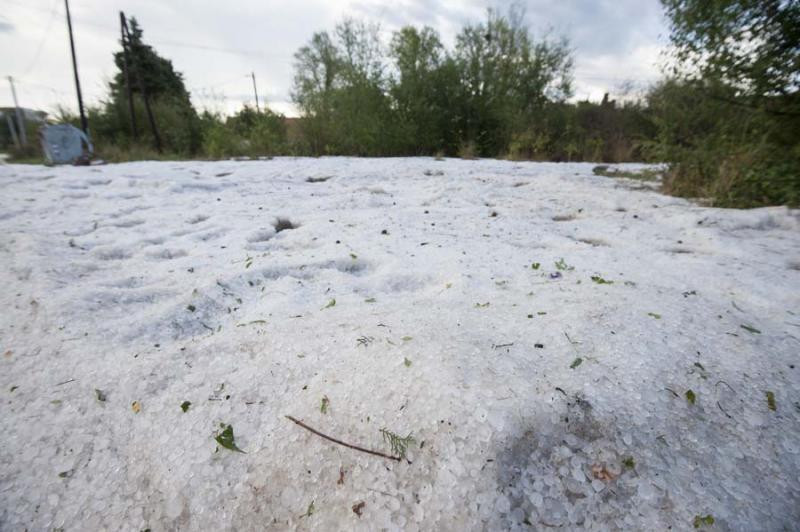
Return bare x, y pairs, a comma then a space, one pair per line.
161, 283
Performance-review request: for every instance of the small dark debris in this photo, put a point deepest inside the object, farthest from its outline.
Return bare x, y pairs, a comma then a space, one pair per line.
384, 232
191, 308
359, 507
538, 346
282, 224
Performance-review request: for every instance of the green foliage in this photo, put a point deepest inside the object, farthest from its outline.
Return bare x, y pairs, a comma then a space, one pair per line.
722, 148
424, 99
753, 46
247, 133
690, 396
771, 401
226, 439
562, 265
729, 121
700, 521
323, 405
398, 444
339, 85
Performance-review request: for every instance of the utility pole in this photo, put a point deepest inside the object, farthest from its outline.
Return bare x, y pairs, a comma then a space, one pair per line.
23, 137
255, 91
84, 124
125, 44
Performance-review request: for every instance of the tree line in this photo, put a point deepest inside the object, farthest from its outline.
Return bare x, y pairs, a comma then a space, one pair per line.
724, 117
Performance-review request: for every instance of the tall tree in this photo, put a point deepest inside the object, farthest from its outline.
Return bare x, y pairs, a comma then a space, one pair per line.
159, 77
339, 85
507, 76
176, 119
423, 96
753, 45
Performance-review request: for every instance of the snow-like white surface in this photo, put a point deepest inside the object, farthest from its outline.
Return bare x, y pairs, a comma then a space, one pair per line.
167, 282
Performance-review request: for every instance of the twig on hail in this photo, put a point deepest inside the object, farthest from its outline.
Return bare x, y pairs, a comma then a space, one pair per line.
340, 442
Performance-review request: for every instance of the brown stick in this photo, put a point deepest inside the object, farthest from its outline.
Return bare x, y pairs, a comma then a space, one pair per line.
340, 442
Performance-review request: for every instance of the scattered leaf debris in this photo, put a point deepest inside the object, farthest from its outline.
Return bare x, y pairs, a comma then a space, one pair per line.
407, 362
398, 444
185, 406
330, 304
136, 406
700, 521
599, 280
561, 265
750, 329
690, 396
358, 508
771, 401
323, 407
100, 394
575, 363
601, 473
226, 439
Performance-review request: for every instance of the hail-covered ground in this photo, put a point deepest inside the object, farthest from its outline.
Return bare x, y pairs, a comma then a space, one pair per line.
564, 350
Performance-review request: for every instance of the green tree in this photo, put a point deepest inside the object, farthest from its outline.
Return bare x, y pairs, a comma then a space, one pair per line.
417, 87
507, 77
176, 119
729, 119
339, 85
752, 45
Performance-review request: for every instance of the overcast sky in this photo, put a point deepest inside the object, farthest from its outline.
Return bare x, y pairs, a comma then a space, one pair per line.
217, 44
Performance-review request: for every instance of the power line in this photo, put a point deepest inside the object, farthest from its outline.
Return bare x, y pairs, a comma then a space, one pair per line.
45, 36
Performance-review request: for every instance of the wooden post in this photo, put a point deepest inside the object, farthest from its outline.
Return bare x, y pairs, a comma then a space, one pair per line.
23, 136
84, 123
126, 72
255, 91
